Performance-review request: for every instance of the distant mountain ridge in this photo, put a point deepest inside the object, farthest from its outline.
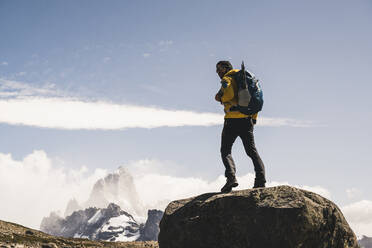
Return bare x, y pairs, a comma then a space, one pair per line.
109, 224
113, 212
365, 242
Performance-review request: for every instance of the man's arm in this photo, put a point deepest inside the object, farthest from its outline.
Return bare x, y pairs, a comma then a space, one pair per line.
218, 96
227, 89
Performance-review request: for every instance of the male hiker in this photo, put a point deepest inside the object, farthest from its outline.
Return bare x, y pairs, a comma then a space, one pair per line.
236, 124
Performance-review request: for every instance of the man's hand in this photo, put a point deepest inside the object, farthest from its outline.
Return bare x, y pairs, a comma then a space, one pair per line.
218, 96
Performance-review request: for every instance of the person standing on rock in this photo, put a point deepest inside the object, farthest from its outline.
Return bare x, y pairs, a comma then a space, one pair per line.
236, 124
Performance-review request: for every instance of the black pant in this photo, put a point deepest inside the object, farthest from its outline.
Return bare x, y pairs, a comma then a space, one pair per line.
242, 127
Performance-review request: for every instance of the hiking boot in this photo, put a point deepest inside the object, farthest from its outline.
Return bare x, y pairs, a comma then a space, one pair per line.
259, 183
230, 183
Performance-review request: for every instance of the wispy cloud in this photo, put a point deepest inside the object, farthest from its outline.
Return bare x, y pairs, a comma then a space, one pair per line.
47, 107
165, 42
106, 60
20, 89
281, 122
359, 217
21, 73
165, 45
38, 183
354, 193
4, 63
146, 55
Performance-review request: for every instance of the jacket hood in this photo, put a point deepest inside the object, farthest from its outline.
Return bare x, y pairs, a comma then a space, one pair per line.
233, 71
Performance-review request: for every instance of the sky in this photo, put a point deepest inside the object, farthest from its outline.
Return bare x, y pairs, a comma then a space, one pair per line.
88, 86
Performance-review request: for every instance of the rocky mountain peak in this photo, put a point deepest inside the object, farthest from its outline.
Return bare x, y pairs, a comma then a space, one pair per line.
151, 229
109, 224
114, 210
72, 206
122, 171
117, 187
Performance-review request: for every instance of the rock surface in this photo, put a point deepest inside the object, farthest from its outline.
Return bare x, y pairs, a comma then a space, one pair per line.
274, 217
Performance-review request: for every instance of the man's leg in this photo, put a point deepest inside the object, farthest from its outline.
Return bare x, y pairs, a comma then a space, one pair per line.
228, 137
246, 134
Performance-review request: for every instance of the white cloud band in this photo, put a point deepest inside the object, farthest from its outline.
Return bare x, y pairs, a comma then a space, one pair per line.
74, 114
47, 107
65, 113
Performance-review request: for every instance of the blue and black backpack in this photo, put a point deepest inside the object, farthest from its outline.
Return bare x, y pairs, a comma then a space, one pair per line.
250, 96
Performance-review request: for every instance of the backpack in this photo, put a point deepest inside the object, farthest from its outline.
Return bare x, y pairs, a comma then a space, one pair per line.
250, 96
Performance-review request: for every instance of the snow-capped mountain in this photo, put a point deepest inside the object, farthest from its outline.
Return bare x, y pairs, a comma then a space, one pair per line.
113, 212
110, 224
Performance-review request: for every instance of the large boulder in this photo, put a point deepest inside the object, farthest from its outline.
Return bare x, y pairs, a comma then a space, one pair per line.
274, 217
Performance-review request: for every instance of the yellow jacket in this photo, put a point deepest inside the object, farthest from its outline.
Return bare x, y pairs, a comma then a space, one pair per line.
229, 98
